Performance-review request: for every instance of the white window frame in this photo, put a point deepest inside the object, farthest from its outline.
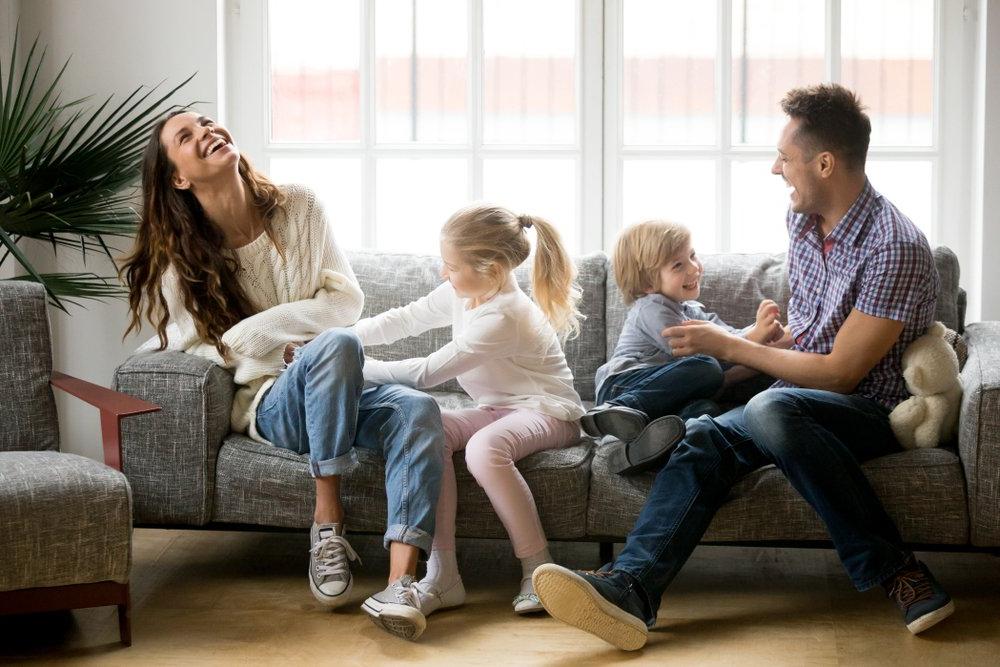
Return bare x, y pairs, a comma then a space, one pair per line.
250, 91
599, 150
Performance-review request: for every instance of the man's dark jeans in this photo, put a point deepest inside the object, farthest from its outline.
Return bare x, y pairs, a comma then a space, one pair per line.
664, 390
816, 438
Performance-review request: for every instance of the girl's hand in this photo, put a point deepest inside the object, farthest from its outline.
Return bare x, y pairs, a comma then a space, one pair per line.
289, 353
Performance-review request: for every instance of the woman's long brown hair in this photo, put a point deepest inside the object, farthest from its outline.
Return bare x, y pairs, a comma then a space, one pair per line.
175, 232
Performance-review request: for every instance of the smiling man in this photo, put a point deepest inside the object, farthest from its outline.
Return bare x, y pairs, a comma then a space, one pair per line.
863, 286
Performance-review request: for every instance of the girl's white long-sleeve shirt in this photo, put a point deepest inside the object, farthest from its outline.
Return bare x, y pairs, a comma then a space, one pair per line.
504, 353
298, 296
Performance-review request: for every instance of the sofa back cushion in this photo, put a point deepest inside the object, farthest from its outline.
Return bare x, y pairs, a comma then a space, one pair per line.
733, 286
393, 280
27, 407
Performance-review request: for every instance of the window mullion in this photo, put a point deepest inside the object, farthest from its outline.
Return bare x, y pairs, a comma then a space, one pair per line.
833, 27
368, 180
724, 79
613, 135
477, 107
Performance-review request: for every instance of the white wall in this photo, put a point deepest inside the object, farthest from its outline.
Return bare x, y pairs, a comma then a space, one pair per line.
985, 269
116, 45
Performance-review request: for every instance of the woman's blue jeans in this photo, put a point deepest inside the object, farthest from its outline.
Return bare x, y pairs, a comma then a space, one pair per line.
818, 439
319, 407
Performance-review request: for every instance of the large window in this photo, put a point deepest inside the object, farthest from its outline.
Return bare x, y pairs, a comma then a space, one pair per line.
593, 114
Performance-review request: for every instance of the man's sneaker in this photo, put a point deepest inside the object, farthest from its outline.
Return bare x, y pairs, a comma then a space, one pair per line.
919, 596
617, 420
397, 609
585, 600
330, 564
650, 449
433, 598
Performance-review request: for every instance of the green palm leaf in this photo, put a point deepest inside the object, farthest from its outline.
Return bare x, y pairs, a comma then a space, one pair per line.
68, 175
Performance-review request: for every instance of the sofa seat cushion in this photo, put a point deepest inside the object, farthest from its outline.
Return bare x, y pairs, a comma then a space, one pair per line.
261, 484
64, 519
923, 491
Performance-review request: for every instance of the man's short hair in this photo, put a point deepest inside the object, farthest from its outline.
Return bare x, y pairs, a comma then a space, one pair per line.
831, 119
641, 250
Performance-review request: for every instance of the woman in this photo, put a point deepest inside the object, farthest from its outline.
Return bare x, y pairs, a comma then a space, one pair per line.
243, 271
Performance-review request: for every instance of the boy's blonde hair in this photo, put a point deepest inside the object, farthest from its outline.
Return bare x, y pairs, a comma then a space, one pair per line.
641, 250
494, 241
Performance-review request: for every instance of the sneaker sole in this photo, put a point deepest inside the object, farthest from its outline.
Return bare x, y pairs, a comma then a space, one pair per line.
620, 424
651, 448
399, 620
569, 598
930, 619
331, 601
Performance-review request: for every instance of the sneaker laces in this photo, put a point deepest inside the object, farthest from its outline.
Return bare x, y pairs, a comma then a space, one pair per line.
333, 555
911, 587
407, 594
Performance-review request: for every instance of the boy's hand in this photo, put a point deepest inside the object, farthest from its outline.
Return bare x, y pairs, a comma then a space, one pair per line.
767, 329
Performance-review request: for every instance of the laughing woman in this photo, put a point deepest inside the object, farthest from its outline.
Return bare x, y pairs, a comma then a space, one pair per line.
228, 266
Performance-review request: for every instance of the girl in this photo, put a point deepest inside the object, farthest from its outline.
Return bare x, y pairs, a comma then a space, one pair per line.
243, 271
505, 353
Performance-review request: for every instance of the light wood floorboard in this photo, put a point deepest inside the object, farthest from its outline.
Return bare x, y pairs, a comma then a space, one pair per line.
205, 597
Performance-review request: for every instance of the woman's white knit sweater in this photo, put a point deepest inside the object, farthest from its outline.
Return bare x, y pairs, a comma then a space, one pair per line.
504, 352
297, 298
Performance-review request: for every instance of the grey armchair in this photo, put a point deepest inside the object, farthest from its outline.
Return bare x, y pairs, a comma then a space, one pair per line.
65, 520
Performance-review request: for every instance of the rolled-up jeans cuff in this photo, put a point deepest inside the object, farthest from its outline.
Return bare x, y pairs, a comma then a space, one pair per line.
409, 535
338, 465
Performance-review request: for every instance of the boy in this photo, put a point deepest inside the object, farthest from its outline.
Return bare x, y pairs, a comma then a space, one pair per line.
643, 392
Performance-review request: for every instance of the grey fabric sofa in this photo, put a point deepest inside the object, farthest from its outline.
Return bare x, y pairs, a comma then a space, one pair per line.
187, 469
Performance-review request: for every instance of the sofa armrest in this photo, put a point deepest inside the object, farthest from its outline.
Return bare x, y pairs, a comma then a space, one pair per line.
979, 431
169, 456
113, 406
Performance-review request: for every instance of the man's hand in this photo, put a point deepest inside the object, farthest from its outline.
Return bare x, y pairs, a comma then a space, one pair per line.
767, 327
698, 337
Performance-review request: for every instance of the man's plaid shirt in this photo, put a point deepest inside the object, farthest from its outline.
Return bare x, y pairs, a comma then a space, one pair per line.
874, 260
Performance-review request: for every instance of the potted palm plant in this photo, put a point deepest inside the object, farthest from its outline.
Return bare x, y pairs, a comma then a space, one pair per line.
68, 173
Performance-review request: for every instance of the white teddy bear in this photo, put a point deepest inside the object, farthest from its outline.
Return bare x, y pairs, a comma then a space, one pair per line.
930, 415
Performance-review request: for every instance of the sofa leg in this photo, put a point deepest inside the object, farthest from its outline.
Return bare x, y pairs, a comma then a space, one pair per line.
125, 616
607, 552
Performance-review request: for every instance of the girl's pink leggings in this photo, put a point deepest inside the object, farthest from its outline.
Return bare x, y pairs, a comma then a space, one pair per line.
493, 440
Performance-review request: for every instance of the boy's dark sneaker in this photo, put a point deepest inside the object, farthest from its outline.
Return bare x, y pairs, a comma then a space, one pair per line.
650, 449
592, 602
616, 420
919, 596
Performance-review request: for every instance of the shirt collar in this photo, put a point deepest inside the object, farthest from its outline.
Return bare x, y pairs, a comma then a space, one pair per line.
849, 227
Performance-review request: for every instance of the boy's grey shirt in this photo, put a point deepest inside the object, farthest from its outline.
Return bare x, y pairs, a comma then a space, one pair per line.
641, 345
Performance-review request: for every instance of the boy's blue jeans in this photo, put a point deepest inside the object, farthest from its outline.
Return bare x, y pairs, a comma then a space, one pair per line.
818, 439
664, 390
318, 407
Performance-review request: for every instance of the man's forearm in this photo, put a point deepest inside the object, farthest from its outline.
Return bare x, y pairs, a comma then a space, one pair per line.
805, 369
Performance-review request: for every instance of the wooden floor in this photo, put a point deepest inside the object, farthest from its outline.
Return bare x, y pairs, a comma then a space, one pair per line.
227, 597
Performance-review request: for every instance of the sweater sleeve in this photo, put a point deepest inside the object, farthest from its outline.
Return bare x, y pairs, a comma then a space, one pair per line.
182, 336
336, 301
428, 312
490, 336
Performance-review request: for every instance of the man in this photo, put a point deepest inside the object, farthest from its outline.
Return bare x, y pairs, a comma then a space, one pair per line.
863, 286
